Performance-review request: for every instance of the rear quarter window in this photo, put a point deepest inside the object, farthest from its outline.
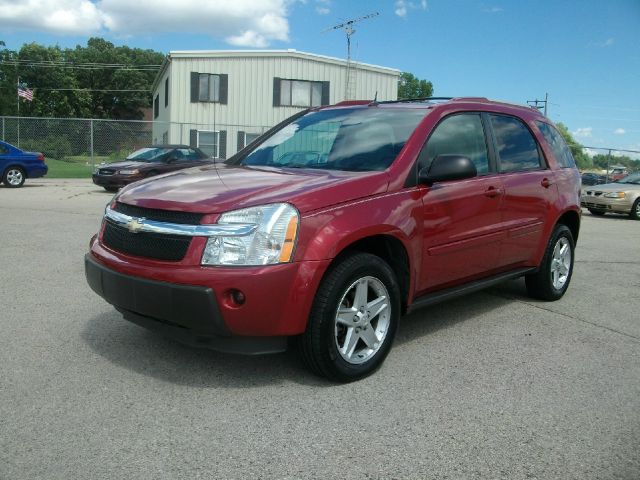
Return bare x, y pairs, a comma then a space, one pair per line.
559, 147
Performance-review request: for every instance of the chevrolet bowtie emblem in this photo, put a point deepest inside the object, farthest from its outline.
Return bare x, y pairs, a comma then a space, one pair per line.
135, 225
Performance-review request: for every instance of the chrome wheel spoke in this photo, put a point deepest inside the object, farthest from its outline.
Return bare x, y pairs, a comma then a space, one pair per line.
350, 341
369, 337
347, 316
362, 289
376, 307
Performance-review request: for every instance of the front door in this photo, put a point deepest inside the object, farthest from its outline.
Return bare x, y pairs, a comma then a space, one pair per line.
462, 222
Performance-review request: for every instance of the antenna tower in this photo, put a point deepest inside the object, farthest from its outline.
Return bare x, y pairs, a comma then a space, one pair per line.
350, 80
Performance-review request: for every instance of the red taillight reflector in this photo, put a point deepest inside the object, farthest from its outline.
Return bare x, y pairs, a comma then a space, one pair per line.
41, 157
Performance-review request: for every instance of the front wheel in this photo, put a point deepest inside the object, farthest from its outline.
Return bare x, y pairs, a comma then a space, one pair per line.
14, 177
597, 213
353, 319
635, 210
552, 279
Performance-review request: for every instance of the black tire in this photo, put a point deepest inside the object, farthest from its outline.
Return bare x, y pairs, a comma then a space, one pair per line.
111, 189
541, 284
597, 213
14, 177
319, 344
635, 210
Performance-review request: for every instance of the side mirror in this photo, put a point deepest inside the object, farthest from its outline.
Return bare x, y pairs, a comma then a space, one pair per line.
447, 167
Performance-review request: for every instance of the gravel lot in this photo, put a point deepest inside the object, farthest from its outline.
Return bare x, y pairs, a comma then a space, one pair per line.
493, 385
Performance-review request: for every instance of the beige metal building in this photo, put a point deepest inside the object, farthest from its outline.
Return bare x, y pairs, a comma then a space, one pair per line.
221, 100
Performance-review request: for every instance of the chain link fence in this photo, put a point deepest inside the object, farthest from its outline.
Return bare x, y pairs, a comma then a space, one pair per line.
74, 146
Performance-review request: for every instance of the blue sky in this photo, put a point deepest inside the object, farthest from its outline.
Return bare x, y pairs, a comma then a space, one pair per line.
584, 54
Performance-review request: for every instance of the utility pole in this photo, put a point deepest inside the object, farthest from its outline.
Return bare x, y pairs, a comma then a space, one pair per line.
538, 103
349, 30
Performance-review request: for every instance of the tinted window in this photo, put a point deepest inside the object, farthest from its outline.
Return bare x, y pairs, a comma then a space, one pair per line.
460, 135
560, 149
517, 149
353, 139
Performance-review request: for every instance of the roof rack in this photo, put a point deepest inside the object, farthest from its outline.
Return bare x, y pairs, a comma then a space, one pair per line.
411, 100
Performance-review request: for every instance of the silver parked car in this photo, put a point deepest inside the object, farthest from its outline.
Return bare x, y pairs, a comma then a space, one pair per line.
621, 196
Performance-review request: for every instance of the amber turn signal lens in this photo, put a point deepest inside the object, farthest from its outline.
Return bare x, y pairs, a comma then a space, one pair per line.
289, 240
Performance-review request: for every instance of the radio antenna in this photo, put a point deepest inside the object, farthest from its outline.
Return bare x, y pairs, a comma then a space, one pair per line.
349, 30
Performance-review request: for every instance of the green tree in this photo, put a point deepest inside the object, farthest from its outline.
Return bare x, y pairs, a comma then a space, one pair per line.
76, 83
582, 159
412, 87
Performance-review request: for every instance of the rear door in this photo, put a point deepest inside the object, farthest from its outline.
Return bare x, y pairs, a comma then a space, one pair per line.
461, 218
529, 188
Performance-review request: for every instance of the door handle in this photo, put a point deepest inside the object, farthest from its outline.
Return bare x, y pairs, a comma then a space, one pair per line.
546, 183
492, 192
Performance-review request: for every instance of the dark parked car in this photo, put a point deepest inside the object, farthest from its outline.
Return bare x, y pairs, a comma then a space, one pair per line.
335, 223
17, 165
589, 179
147, 162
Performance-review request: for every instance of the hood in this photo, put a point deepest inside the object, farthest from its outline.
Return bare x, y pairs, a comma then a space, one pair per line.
613, 187
126, 164
220, 188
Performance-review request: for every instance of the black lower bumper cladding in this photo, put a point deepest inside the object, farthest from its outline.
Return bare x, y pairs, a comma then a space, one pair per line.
189, 314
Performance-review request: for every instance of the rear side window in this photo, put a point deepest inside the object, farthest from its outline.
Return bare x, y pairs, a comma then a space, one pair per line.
559, 147
517, 149
460, 134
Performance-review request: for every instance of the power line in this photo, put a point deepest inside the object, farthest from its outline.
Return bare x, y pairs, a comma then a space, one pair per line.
86, 89
141, 68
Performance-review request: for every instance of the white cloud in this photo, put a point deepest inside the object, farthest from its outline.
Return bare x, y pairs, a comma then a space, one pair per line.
494, 10
74, 17
252, 23
583, 132
402, 7
619, 131
323, 10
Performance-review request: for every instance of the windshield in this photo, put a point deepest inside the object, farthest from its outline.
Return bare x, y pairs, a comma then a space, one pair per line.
353, 139
149, 154
633, 178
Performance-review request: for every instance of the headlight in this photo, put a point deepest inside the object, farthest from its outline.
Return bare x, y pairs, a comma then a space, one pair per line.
273, 241
614, 195
128, 172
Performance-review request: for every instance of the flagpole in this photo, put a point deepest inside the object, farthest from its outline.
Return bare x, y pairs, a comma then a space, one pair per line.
18, 113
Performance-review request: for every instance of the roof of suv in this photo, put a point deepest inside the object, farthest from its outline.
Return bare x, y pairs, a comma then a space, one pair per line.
430, 102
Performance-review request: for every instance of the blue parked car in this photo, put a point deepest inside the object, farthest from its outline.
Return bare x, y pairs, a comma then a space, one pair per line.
16, 165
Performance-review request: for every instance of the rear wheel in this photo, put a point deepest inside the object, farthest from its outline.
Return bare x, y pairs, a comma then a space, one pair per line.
635, 210
552, 279
353, 319
597, 213
14, 177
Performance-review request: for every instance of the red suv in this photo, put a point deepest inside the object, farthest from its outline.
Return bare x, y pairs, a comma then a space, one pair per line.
333, 224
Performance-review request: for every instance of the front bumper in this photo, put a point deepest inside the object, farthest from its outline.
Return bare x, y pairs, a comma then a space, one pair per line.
189, 314
614, 205
114, 181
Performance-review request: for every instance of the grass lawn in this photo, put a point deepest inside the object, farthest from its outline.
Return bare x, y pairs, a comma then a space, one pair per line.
72, 167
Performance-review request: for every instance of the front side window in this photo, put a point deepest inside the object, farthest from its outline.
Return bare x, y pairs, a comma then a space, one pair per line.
208, 142
351, 139
517, 149
559, 147
459, 134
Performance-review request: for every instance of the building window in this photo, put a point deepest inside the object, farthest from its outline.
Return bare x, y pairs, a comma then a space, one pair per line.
208, 142
209, 88
245, 138
166, 92
165, 138
300, 93
156, 106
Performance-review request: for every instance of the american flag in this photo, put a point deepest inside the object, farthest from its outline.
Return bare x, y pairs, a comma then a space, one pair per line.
25, 93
